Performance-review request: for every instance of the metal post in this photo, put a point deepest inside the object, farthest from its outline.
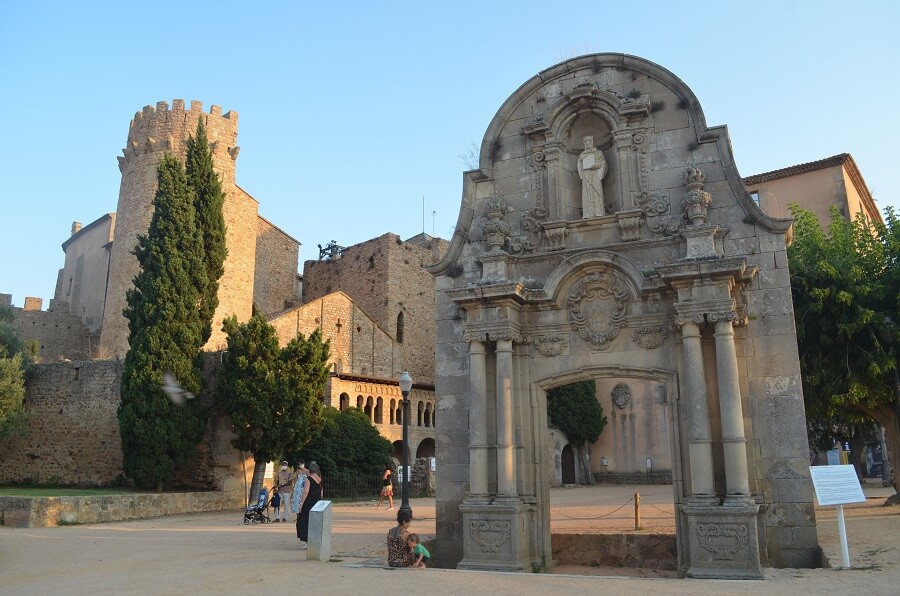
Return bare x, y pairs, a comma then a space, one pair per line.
404, 489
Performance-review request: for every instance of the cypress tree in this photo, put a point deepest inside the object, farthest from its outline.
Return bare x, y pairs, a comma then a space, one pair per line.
165, 335
209, 201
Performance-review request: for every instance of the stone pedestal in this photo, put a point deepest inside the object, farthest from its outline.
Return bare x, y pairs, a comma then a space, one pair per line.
722, 540
496, 536
319, 544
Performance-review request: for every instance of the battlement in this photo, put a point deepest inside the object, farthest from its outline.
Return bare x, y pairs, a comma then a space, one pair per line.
162, 112
160, 128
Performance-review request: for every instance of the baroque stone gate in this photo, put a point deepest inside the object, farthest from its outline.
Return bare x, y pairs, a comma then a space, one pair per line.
607, 233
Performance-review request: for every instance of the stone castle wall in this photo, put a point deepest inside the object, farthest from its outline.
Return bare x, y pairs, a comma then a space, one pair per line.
73, 436
58, 334
385, 277
153, 132
358, 345
74, 432
275, 277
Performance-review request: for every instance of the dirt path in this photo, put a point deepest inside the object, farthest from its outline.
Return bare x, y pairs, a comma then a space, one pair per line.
215, 553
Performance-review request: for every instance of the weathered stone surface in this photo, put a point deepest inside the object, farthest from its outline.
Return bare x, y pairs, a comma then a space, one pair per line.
674, 292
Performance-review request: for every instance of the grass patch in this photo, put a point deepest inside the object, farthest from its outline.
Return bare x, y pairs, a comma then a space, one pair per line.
36, 491
334, 560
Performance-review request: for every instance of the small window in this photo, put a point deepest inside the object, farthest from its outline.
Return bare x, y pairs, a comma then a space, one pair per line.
755, 196
400, 326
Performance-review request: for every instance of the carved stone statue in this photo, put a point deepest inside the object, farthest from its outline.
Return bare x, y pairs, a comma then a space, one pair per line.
592, 169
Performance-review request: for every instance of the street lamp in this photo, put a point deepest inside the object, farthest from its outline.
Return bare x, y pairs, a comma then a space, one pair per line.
405, 383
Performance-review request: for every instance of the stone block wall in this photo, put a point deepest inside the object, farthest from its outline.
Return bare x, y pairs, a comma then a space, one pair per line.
649, 551
275, 276
386, 277
74, 433
58, 334
359, 346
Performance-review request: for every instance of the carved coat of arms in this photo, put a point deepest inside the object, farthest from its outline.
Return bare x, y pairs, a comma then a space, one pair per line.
597, 308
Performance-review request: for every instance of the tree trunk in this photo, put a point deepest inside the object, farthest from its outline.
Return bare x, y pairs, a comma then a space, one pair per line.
582, 455
888, 416
858, 454
259, 471
159, 487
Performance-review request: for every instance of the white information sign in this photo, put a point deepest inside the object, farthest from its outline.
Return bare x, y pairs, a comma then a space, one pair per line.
321, 506
836, 485
433, 463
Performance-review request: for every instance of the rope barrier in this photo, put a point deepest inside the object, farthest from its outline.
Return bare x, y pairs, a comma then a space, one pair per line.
646, 502
597, 517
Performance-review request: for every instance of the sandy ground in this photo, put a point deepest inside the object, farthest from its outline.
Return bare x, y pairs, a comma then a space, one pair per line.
216, 553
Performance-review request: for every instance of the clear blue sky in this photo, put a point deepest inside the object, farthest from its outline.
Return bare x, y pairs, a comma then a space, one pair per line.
351, 112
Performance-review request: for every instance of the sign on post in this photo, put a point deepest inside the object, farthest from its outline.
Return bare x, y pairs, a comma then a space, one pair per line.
837, 485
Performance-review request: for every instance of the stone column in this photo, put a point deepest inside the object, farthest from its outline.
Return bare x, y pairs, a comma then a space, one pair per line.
506, 448
733, 440
699, 436
478, 447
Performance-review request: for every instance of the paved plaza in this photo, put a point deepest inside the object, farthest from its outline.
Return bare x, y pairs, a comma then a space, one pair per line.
215, 553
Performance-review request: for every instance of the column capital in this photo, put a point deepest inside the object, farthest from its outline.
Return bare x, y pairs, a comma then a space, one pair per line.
692, 319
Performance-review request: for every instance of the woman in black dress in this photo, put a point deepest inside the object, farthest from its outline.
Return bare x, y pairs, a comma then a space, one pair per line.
312, 492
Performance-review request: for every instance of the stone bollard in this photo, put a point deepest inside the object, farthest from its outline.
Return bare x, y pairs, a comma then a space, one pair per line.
319, 544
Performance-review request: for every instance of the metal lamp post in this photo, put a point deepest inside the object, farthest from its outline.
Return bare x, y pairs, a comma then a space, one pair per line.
405, 383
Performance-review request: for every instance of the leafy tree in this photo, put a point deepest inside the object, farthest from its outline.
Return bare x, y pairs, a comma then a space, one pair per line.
846, 286
210, 221
165, 336
12, 394
574, 410
349, 447
272, 394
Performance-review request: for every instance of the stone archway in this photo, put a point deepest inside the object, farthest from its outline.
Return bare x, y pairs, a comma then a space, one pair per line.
675, 289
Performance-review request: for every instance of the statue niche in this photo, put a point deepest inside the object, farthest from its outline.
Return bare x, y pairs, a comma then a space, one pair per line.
588, 169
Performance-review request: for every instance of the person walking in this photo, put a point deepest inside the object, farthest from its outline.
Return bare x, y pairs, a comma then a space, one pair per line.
283, 481
387, 488
299, 483
312, 493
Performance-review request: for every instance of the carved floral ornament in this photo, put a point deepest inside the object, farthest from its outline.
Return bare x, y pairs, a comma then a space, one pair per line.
597, 308
491, 536
549, 345
496, 230
695, 202
723, 541
650, 336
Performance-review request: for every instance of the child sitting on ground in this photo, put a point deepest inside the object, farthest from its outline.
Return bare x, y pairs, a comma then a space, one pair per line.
420, 552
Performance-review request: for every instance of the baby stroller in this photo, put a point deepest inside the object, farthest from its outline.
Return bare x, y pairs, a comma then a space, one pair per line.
258, 513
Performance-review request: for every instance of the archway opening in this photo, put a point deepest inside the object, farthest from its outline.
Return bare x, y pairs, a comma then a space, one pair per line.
397, 450
568, 465
426, 448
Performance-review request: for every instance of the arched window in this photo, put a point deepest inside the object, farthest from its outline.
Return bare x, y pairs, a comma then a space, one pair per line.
379, 409
427, 415
393, 411
399, 418
421, 410
345, 402
359, 402
400, 328
369, 408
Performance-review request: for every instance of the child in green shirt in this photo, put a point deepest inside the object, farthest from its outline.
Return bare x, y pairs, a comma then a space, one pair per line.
420, 552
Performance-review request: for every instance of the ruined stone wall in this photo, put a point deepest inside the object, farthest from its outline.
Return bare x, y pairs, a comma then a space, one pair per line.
74, 432
58, 334
153, 132
358, 345
385, 277
275, 276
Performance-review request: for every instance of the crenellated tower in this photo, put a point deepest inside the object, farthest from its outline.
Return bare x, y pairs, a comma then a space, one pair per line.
153, 132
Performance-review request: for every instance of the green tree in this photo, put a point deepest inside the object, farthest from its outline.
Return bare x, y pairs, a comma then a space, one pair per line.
165, 336
574, 410
845, 288
209, 201
273, 395
13, 418
349, 447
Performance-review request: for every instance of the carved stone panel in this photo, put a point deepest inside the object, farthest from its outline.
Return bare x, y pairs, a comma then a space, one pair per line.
650, 336
597, 308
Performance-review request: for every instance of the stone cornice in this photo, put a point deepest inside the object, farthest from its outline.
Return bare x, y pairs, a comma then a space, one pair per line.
735, 267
